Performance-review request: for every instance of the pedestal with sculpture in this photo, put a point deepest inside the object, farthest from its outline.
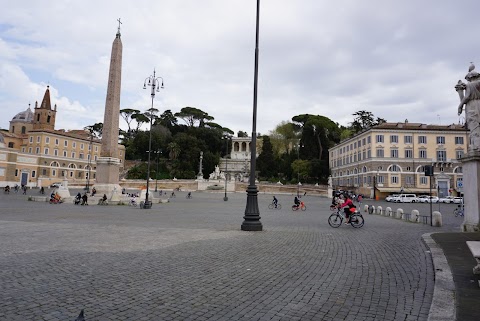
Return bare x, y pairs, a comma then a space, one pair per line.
469, 94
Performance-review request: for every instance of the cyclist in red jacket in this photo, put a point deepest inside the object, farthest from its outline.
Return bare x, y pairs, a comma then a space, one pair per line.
347, 206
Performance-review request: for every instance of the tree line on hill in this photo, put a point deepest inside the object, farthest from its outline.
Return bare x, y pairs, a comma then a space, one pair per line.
296, 150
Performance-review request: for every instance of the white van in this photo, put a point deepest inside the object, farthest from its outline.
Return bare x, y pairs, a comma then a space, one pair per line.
405, 198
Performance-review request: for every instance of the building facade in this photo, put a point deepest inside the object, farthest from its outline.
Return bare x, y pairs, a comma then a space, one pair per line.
391, 158
34, 154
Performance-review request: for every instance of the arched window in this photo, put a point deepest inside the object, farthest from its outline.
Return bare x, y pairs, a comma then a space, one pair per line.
394, 168
24, 129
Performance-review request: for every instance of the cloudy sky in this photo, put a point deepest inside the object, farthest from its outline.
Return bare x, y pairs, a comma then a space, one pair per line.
397, 59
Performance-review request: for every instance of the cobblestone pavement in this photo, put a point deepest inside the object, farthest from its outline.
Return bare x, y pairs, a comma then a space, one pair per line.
188, 260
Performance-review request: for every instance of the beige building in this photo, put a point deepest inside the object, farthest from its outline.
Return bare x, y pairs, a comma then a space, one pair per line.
390, 158
33, 153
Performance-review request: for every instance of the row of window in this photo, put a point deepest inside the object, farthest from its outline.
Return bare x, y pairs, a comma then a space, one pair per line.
409, 180
408, 139
422, 153
394, 139
65, 143
393, 168
54, 173
380, 153
46, 151
361, 142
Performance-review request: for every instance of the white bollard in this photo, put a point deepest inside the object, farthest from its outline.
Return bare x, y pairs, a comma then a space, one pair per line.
414, 217
365, 208
437, 219
399, 214
388, 211
379, 210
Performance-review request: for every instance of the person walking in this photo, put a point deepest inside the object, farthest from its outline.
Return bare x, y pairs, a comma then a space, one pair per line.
85, 199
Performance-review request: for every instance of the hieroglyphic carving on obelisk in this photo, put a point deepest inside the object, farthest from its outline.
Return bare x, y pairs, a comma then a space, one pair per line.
108, 163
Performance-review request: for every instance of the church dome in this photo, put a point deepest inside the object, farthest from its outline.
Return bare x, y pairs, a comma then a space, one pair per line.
24, 116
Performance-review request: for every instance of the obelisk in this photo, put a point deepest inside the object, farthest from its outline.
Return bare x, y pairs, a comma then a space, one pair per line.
108, 164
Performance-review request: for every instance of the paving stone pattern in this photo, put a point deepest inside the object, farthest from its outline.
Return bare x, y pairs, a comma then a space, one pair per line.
188, 260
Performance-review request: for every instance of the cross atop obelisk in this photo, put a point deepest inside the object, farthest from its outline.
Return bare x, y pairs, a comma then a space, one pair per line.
119, 23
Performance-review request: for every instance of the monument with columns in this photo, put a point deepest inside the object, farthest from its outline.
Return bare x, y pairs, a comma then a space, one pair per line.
469, 94
108, 164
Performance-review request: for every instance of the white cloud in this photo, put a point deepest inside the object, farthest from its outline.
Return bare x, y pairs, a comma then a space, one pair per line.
397, 59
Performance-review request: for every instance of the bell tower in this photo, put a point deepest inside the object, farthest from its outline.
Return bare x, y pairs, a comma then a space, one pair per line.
44, 115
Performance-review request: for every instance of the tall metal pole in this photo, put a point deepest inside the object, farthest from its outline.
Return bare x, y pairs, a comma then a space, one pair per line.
154, 83
252, 214
431, 211
156, 173
147, 204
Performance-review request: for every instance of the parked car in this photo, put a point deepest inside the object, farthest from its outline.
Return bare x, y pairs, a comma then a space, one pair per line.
389, 198
423, 198
447, 199
56, 185
405, 198
458, 200
432, 199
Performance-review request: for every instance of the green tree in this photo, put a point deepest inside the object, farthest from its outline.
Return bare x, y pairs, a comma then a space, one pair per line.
127, 115
192, 116
95, 130
266, 164
173, 150
364, 120
284, 136
301, 167
167, 119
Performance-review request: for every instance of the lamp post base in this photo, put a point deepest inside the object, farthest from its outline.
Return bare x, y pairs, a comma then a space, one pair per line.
252, 215
225, 198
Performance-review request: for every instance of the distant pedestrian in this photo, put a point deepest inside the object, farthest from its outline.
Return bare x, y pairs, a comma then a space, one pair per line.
85, 199
24, 189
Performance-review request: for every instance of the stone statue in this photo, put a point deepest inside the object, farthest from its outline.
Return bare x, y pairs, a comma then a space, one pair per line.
469, 94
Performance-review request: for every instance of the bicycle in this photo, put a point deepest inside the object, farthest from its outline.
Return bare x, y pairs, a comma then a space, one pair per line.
336, 219
102, 202
133, 203
272, 206
459, 211
302, 206
188, 196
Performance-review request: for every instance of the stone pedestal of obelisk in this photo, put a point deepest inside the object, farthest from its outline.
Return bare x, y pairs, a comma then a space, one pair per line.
108, 164
471, 197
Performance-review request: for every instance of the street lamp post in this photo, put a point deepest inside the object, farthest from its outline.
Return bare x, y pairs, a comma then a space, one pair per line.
155, 83
251, 220
158, 152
